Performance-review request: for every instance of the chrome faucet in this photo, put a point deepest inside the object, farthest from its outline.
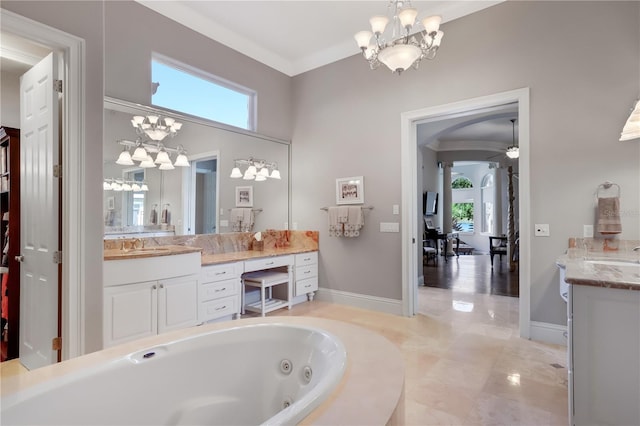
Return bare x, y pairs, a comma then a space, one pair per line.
636, 248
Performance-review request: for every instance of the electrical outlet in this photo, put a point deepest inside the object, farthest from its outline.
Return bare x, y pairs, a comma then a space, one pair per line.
587, 231
224, 223
295, 226
541, 230
396, 209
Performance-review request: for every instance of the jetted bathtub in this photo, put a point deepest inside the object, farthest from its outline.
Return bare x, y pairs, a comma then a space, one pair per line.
248, 375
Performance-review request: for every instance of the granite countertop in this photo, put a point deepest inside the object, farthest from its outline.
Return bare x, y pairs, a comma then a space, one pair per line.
610, 269
117, 254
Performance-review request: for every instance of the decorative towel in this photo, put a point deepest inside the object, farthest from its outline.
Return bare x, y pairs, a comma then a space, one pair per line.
609, 215
241, 219
355, 221
335, 227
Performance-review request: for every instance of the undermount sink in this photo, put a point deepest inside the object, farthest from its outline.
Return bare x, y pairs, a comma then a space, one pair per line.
620, 262
147, 250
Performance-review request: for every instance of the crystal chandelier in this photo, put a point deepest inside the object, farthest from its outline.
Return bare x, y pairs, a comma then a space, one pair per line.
408, 42
258, 170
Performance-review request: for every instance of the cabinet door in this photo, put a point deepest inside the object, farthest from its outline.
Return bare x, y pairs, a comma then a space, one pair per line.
130, 312
177, 303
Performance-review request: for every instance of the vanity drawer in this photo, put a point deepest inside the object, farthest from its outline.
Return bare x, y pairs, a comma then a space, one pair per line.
307, 258
218, 308
219, 289
220, 272
306, 286
308, 271
267, 263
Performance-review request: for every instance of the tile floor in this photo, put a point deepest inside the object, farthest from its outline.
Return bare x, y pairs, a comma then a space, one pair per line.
465, 364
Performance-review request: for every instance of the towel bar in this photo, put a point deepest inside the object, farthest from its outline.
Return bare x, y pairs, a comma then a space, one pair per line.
363, 207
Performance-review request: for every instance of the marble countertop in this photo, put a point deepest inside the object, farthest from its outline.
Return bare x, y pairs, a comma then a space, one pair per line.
117, 254
610, 269
207, 259
212, 259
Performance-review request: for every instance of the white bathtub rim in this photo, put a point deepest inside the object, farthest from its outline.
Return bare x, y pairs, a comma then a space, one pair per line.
314, 398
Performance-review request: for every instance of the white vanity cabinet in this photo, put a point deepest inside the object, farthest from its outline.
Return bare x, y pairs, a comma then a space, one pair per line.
147, 296
306, 274
219, 291
604, 355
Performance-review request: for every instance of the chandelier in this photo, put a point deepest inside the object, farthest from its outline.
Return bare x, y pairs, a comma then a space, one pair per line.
143, 151
258, 170
155, 127
406, 44
513, 151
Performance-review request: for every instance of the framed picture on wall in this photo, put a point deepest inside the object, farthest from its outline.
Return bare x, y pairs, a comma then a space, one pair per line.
350, 190
244, 196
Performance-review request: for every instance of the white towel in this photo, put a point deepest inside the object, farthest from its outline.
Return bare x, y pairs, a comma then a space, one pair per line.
247, 220
343, 214
335, 227
236, 217
355, 222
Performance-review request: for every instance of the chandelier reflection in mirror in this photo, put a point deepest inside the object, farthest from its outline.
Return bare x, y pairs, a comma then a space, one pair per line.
407, 42
258, 170
152, 130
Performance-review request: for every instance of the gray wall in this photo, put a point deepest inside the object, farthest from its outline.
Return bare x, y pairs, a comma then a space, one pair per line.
347, 122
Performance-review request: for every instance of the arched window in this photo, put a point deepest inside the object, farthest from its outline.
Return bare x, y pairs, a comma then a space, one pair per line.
487, 195
461, 182
462, 212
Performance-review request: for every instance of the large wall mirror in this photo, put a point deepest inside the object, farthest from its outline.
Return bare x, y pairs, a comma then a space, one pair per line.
199, 199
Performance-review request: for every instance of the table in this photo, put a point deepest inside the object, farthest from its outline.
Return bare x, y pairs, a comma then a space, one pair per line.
435, 236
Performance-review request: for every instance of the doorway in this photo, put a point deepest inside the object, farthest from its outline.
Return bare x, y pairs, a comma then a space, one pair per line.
72, 53
412, 210
202, 194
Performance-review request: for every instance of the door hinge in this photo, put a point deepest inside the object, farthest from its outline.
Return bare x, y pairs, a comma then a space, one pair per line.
57, 86
57, 171
57, 257
56, 343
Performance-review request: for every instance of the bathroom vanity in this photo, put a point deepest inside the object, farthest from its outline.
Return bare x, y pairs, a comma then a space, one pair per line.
603, 322
158, 288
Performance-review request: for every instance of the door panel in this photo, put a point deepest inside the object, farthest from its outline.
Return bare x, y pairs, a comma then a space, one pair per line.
39, 194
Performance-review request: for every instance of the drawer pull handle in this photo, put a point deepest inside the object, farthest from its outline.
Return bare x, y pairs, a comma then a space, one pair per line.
269, 263
217, 290
307, 286
221, 308
221, 273
307, 272
307, 259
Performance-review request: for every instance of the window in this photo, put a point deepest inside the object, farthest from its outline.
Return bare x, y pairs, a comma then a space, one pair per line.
183, 88
462, 215
461, 182
487, 193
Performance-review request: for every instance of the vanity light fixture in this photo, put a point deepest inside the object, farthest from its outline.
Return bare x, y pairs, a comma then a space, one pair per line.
143, 151
258, 170
513, 151
406, 44
111, 184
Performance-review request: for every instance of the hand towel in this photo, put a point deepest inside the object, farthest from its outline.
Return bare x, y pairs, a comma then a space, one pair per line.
247, 220
335, 227
609, 215
235, 218
343, 214
355, 221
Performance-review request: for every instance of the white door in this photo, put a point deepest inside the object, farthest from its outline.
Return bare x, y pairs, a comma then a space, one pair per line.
130, 312
39, 214
177, 303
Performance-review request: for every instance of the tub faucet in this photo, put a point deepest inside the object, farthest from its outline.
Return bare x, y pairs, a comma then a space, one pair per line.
636, 248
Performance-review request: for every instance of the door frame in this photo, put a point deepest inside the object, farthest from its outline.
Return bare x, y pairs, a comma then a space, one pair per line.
410, 207
72, 56
189, 191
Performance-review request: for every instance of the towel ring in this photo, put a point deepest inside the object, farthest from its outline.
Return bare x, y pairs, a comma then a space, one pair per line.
606, 186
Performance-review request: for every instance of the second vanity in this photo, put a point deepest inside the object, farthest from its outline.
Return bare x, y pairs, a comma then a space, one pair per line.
152, 290
603, 322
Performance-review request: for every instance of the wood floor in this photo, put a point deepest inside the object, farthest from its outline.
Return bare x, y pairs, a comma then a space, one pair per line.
473, 273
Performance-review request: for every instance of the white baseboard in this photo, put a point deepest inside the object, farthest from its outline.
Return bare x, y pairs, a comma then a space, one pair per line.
548, 333
373, 303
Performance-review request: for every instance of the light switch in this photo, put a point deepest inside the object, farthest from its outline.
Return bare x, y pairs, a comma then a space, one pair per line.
224, 223
587, 231
389, 227
541, 230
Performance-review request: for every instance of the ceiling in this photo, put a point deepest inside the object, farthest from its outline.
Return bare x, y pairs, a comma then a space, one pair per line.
295, 36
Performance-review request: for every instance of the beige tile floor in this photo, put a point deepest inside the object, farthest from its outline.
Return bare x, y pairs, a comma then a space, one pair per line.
465, 364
